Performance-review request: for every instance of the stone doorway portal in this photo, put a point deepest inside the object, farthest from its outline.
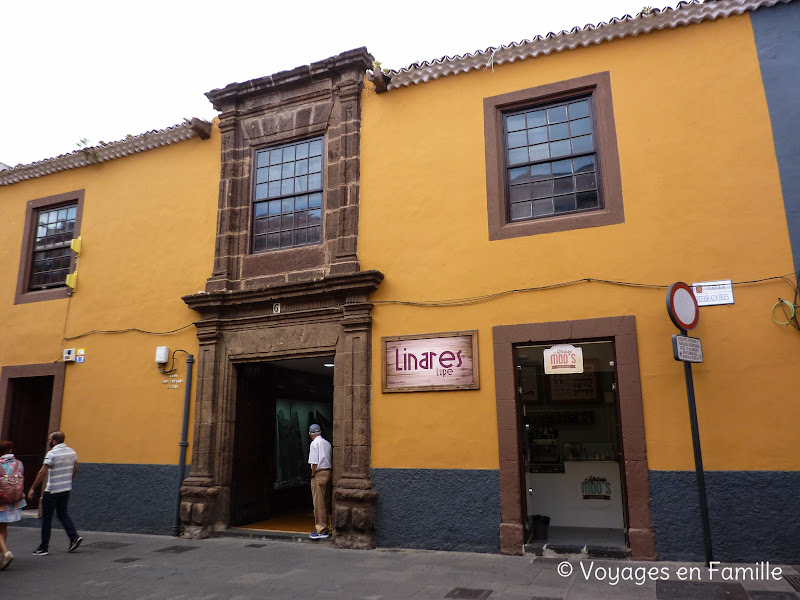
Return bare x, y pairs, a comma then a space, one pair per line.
324, 318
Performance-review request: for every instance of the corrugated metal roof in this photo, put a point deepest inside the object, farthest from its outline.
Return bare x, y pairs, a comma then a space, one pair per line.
685, 13
108, 151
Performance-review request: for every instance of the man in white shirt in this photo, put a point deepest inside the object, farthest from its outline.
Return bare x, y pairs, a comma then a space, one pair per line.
319, 457
60, 466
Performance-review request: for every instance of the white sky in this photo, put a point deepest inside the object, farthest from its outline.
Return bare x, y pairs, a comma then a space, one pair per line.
102, 70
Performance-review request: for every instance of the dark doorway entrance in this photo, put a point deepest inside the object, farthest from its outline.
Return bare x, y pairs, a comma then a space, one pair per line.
31, 398
276, 403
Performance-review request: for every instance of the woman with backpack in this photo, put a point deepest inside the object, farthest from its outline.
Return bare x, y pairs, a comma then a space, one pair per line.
12, 497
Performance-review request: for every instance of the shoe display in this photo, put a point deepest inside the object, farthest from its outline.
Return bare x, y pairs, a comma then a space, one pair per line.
40, 552
73, 545
7, 558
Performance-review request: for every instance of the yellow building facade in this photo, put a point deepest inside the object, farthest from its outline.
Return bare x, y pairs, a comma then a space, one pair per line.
460, 271
144, 210
692, 192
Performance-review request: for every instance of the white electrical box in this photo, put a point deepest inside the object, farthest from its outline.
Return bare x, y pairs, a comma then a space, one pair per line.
162, 354
69, 354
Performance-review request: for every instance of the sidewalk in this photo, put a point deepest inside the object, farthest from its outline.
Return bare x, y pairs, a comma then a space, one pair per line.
123, 566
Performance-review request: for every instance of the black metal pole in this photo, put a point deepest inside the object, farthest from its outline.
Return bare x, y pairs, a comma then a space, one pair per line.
176, 528
698, 460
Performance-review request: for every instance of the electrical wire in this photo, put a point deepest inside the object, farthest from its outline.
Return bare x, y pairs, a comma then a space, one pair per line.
173, 369
487, 297
791, 316
112, 331
791, 320
64, 332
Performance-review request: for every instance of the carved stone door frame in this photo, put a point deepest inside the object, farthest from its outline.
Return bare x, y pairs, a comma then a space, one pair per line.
321, 318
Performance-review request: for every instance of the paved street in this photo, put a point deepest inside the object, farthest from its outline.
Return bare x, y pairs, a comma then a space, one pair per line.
146, 567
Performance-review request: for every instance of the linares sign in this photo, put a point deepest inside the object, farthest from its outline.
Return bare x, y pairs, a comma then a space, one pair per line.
430, 362
563, 359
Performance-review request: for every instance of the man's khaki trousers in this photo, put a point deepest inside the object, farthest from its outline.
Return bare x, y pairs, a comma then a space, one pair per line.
321, 494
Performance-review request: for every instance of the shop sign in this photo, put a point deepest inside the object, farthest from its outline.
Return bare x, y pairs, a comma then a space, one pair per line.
710, 293
430, 362
563, 359
596, 491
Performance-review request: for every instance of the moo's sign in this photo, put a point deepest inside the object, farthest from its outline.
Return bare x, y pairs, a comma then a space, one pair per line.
430, 362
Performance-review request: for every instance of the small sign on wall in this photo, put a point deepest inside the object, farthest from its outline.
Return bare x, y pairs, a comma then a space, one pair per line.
562, 359
710, 293
430, 362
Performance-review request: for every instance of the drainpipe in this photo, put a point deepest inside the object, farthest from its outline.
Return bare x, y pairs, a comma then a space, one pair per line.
176, 528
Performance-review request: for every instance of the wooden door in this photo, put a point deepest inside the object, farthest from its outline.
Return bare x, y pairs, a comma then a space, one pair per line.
31, 398
254, 447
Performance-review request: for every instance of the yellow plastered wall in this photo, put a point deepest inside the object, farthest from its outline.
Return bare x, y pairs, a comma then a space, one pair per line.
702, 201
148, 229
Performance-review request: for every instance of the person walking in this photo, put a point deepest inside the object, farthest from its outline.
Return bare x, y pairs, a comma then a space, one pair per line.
11, 471
60, 466
319, 457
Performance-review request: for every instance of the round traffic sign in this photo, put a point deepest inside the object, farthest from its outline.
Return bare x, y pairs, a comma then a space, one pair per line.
682, 306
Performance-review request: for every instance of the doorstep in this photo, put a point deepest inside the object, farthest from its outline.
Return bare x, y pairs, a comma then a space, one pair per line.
576, 550
260, 534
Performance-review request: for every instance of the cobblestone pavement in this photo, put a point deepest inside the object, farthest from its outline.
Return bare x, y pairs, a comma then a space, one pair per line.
147, 567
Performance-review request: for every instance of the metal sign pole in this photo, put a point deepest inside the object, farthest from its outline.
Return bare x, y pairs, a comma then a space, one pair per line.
685, 314
698, 459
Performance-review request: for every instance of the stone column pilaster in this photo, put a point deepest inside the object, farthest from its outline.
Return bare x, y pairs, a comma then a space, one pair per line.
354, 496
344, 140
199, 493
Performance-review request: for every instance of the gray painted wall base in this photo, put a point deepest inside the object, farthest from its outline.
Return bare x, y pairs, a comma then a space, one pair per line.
127, 498
754, 515
441, 509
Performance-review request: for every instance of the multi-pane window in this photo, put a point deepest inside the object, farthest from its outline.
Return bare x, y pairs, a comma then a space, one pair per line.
51, 247
551, 160
287, 201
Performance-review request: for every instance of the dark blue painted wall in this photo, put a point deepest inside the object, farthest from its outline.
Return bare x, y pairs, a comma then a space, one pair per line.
129, 498
777, 35
754, 515
438, 509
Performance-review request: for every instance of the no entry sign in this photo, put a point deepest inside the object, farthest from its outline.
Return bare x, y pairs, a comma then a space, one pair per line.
682, 306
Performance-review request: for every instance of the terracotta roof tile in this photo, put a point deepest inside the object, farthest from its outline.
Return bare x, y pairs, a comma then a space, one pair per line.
107, 151
685, 13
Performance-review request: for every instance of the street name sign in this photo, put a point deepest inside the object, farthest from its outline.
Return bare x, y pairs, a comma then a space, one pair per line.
710, 293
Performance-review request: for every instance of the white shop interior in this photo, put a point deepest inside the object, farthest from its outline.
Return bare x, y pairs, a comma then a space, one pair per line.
570, 448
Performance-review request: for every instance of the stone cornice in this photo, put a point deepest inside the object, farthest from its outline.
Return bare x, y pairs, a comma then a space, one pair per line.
358, 60
356, 288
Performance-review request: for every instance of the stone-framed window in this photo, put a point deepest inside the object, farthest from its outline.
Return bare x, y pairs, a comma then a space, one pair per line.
551, 158
287, 195
46, 259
